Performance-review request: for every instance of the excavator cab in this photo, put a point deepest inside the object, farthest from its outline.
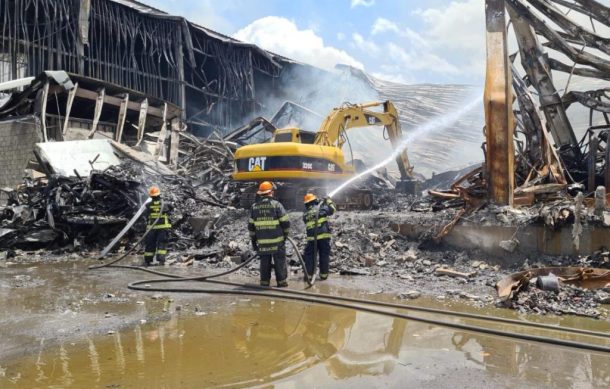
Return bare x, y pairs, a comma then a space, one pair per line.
293, 134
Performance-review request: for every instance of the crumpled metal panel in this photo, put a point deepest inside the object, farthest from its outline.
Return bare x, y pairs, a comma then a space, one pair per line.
589, 278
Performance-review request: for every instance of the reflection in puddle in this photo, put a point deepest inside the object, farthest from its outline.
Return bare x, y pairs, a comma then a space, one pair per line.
257, 342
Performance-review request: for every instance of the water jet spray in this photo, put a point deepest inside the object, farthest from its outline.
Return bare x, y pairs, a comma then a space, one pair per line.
436, 124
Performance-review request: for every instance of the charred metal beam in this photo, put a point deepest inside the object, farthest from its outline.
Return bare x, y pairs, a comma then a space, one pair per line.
535, 63
577, 71
595, 10
588, 99
607, 159
520, 9
499, 121
592, 162
591, 39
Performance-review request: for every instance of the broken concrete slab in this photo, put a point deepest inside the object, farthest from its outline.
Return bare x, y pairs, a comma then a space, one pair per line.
148, 160
82, 156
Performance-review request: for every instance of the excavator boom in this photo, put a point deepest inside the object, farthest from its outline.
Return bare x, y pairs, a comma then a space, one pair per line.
304, 159
349, 116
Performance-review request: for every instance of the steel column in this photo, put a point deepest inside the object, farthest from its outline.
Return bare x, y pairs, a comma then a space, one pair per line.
499, 121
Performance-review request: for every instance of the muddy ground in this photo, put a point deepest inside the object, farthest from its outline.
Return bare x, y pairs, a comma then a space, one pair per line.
54, 296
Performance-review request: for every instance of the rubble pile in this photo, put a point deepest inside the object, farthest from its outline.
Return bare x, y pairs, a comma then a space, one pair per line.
67, 210
569, 299
86, 212
209, 164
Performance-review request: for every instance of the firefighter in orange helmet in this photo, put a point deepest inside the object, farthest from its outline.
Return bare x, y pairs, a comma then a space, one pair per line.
268, 227
318, 233
159, 225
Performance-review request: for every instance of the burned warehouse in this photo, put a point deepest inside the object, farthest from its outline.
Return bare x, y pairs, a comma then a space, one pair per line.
255, 207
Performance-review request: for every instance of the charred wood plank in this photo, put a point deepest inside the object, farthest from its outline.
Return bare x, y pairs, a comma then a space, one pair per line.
99, 103
71, 95
121, 119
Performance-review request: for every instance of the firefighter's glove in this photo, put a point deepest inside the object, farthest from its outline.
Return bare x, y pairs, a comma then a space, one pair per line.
254, 245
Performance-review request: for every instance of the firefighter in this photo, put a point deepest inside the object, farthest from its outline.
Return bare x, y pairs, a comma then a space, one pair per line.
318, 231
268, 227
156, 240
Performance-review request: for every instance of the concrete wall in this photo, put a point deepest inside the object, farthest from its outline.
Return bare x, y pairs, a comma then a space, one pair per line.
534, 240
17, 139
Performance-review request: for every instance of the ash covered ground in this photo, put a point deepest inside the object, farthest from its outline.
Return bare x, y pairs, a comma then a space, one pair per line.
365, 247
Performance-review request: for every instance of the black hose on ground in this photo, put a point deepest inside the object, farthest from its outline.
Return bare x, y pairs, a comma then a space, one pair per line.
323, 299
281, 294
207, 278
289, 294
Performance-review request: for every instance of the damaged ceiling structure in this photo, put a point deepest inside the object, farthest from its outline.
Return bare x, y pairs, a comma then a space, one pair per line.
126, 43
539, 153
562, 49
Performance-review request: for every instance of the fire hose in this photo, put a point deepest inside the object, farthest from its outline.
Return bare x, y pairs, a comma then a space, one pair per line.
374, 307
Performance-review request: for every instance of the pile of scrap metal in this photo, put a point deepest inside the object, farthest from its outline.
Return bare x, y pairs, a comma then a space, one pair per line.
82, 212
208, 163
551, 278
551, 165
61, 211
557, 290
541, 170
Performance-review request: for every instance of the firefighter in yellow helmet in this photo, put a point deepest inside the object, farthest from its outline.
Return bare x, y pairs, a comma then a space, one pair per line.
318, 233
159, 223
268, 227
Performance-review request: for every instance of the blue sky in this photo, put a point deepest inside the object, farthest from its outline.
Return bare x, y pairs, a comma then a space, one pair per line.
412, 41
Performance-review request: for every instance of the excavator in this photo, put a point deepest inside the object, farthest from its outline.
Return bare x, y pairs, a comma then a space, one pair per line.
299, 161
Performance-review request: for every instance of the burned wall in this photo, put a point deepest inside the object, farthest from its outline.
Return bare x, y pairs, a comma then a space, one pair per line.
213, 78
17, 139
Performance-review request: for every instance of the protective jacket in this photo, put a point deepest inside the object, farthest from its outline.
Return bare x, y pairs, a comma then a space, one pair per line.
154, 210
268, 225
316, 222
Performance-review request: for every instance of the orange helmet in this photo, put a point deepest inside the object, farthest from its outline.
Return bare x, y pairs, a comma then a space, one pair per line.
309, 197
264, 188
154, 191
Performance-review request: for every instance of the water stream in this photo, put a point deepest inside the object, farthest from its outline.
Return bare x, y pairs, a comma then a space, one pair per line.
437, 124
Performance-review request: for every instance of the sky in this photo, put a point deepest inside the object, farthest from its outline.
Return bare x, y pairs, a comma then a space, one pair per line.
407, 41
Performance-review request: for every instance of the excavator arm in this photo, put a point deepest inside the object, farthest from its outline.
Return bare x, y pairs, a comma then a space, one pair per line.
333, 129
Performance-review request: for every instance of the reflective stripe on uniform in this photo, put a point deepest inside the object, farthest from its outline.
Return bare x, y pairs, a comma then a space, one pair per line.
284, 218
312, 223
270, 241
160, 225
161, 252
147, 254
261, 223
325, 235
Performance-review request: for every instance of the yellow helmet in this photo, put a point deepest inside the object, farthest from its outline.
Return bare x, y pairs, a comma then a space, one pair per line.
264, 188
309, 197
154, 191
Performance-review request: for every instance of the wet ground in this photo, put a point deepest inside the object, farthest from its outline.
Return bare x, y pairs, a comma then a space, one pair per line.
64, 326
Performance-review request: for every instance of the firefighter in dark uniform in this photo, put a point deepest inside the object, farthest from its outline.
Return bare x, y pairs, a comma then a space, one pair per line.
318, 231
156, 240
268, 227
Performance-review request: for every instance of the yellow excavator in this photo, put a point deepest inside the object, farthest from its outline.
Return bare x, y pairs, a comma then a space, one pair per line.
299, 161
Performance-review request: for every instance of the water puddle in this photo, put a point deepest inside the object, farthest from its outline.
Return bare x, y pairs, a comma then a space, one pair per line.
272, 343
